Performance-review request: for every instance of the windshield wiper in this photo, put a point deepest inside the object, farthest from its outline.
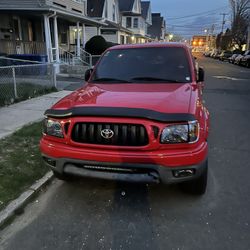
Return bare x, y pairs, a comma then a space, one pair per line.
152, 79
107, 79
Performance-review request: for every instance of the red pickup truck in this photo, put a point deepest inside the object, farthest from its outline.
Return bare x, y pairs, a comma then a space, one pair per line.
140, 117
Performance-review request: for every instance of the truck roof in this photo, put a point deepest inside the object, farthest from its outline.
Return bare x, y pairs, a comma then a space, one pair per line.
150, 45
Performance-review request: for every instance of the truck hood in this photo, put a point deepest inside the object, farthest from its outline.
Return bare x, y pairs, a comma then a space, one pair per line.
165, 98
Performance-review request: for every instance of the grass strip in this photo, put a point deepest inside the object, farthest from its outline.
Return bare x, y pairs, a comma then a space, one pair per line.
20, 162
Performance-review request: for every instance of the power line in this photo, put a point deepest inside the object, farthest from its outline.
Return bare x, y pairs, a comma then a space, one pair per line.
191, 26
191, 20
203, 19
196, 14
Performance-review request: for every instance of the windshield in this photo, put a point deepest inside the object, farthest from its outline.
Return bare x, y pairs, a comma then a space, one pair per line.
162, 64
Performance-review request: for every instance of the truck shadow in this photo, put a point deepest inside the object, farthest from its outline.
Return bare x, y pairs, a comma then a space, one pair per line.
127, 212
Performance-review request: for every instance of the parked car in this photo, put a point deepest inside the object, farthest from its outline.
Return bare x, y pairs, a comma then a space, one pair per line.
140, 117
237, 60
224, 56
216, 54
207, 53
245, 60
213, 52
232, 58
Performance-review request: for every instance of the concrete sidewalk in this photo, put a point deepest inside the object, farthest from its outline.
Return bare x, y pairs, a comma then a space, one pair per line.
17, 115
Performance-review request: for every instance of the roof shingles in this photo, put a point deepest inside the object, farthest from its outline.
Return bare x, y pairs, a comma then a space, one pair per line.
144, 8
126, 5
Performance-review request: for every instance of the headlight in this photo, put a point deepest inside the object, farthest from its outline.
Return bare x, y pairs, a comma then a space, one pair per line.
53, 128
180, 133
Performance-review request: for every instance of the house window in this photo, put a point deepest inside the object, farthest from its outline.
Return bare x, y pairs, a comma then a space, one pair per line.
135, 22
128, 22
64, 38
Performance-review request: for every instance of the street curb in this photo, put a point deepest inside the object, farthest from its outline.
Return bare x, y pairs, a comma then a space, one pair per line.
23, 199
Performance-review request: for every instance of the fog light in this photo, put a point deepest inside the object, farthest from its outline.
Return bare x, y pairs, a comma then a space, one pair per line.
183, 173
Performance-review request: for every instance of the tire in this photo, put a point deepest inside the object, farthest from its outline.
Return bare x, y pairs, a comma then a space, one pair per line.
197, 186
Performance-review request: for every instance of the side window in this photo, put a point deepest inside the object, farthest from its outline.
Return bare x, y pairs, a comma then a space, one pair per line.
128, 22
135, 22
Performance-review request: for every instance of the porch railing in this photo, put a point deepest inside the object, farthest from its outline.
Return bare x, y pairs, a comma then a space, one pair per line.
22, 47
65, 57
86, 57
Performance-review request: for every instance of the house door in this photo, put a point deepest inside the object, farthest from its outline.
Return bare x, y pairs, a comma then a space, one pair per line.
122, 39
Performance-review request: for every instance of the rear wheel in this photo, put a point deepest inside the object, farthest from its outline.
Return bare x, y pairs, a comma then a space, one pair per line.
197, 186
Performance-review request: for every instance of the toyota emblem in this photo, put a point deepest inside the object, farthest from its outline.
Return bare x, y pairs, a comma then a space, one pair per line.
107, 133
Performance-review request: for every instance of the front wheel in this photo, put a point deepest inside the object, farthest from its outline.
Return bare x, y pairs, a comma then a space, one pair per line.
197, 186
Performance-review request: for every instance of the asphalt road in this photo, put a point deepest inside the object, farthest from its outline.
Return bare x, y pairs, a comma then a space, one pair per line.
94, 214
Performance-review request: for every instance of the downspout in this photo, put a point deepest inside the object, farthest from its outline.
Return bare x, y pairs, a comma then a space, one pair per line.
52, 15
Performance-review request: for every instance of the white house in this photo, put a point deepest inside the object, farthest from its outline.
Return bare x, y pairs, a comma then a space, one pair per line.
133, 19
107, 11
51, 28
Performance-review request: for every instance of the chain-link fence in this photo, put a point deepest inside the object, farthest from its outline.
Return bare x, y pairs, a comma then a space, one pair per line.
21, 82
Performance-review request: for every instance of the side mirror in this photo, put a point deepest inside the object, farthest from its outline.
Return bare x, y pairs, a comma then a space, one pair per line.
88, 74
201, 75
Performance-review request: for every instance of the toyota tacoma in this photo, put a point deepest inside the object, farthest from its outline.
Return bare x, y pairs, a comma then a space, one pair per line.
139, 117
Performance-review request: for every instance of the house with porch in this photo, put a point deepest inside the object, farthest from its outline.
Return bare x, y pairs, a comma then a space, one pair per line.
56, 28
133, 19
107, 11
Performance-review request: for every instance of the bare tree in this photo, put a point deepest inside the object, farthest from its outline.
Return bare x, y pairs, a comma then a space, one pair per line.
240, 20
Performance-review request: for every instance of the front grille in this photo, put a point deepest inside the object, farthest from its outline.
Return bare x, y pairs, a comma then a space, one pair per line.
123, 134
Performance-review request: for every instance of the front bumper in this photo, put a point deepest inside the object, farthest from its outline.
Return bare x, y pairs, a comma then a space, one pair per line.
159, 165
131, 172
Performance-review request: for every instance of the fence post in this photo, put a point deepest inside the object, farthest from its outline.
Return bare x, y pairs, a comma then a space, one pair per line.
54, 69
91, 60
14, 81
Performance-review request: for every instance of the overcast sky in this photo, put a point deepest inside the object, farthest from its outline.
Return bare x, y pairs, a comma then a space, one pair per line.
202, 14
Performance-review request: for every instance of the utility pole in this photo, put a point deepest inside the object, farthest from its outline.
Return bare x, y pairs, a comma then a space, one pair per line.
222, 28
223, 21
